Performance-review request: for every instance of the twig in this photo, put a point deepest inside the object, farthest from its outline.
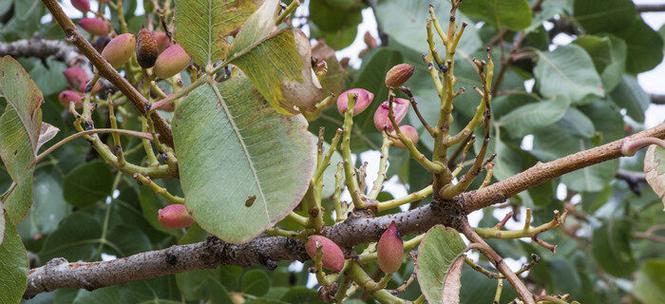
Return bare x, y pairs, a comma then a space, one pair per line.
106, 70
648, 8
43, 48
498, 262
74, 136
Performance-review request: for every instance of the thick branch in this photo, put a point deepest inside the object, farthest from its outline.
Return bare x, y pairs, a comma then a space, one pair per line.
543, 172
42, 48
658, 99
107, 71
261, 251
646, 8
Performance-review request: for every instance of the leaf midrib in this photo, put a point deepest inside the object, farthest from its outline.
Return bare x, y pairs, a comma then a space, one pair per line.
241, 140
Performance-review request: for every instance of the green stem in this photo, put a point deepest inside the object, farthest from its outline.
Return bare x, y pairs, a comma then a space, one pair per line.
349, 172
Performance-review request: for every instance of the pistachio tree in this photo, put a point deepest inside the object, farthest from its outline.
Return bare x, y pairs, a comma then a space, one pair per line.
224, 151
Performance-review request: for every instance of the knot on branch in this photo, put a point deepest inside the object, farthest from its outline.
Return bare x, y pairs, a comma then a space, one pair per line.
215, 251
451, 212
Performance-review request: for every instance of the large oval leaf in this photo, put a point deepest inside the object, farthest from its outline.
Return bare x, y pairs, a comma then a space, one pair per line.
20, 124
611, 248
233, 148
437, 253
568, 70
202, 26
534, 116
13, 267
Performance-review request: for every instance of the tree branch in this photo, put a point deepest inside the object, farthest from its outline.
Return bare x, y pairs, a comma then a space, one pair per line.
107, 71
43, 48
658, 99
359, 228
648, 8
543, 172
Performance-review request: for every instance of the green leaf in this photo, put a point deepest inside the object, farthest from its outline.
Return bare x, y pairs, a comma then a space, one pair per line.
404, 21
604, 15
255, 282
577, 123
49, 78
203, 25
329, 18
609, 57
611, 248
534, 116
568, 71
649, 285
259, 26
645, 46
654, 170
437, 252
629, 95
301, 294
19, 135
13, 267
155, 291
257, 153
49, 207
554, 142
511, 14
88, 183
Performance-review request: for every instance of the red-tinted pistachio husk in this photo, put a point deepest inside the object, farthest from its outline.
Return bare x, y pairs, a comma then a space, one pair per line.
332, 256
95, 26
175, 216
163, 41
67, 96
170, 62
399, 74
363, 100
146, 48
81, 5
390, 250
76, 77
119, 49
409, 132
381, 119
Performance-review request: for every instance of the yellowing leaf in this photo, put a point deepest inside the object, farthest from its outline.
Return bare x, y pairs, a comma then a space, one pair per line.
20, 126
277, 62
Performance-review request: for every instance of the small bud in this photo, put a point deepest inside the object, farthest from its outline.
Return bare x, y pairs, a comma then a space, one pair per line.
146, 48
170, 62
390, 250
409, 132
119, 49
175, 216
363, 101
163, 41
95, 26
81, 5
332, 256
399, 74
76, 77
67, 96
381, 119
